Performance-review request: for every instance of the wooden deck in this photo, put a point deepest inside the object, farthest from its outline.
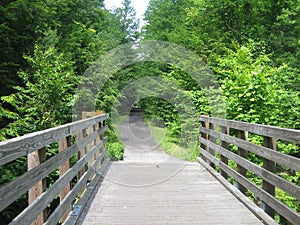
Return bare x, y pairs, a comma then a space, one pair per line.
168, 193
150, 187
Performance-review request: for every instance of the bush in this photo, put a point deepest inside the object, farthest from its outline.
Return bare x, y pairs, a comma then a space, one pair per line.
115, 150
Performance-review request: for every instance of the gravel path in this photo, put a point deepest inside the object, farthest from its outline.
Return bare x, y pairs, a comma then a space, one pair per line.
139, 143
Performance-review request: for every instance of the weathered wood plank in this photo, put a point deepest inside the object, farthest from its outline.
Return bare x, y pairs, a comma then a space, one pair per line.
58, 212
279, 182
191, 196
264, 130
63, 145
92, 187
244, 154
14, 148
280, 158
270, 166
35, 159
280, 207
32, 211
11, 191
224, 144
241, 197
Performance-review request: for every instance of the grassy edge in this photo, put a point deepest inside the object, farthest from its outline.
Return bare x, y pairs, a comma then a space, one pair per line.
161, 134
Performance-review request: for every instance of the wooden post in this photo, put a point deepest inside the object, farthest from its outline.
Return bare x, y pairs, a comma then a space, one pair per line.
212, 140
34, 159
81, 135
63, 145
205, 136
225, 145
243, 153
91, 130
96, 141
86, 115
85, 133
102, 125
270, 166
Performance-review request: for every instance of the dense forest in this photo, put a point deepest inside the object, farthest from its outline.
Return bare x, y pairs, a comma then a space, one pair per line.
251, 47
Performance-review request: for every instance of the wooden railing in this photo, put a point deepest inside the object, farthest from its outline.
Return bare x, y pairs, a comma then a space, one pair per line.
217, 140
80, 157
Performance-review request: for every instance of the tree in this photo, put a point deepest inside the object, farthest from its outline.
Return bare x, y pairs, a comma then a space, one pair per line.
254, 91
46, 99
128, 22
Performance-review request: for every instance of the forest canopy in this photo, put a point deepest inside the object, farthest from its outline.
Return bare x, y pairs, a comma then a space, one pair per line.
251, 46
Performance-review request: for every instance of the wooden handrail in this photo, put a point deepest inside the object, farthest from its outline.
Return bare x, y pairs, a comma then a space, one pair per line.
215, 140
90, 150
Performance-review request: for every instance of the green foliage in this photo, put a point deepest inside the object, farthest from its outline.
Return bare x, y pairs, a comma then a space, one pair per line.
253, 90
46, 47
115, 150
128, 22
252, 46
45, 101
169, 141
114, 146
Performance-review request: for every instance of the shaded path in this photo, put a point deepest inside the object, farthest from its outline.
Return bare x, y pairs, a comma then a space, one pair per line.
139, 144
151, 188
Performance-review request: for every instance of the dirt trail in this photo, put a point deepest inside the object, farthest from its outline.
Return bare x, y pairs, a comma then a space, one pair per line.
139, 143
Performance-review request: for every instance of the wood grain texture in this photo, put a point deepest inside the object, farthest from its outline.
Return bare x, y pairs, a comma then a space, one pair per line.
224, 144
190, 196
34, 159
63, 145
32, 211
11, 191
280, 207
270, 166
267, 153
270, 157
59, 211
268, 131
266, 175
244, 154
14, 148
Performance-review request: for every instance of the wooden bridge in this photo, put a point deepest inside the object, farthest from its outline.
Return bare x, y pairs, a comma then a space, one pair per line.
149, 187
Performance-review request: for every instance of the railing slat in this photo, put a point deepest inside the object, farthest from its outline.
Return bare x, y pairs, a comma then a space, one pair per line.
29, 214
58, 212
10, 192
21, 146
280, 207
266, 171
280, 158
264, 130
272, 178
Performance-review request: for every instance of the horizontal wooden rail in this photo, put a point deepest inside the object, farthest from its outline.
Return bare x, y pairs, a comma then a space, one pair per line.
90, 152
21, 146
216, 142
263, 130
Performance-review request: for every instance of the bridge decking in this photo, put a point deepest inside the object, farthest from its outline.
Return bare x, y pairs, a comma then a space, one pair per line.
150, 187
136, 193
